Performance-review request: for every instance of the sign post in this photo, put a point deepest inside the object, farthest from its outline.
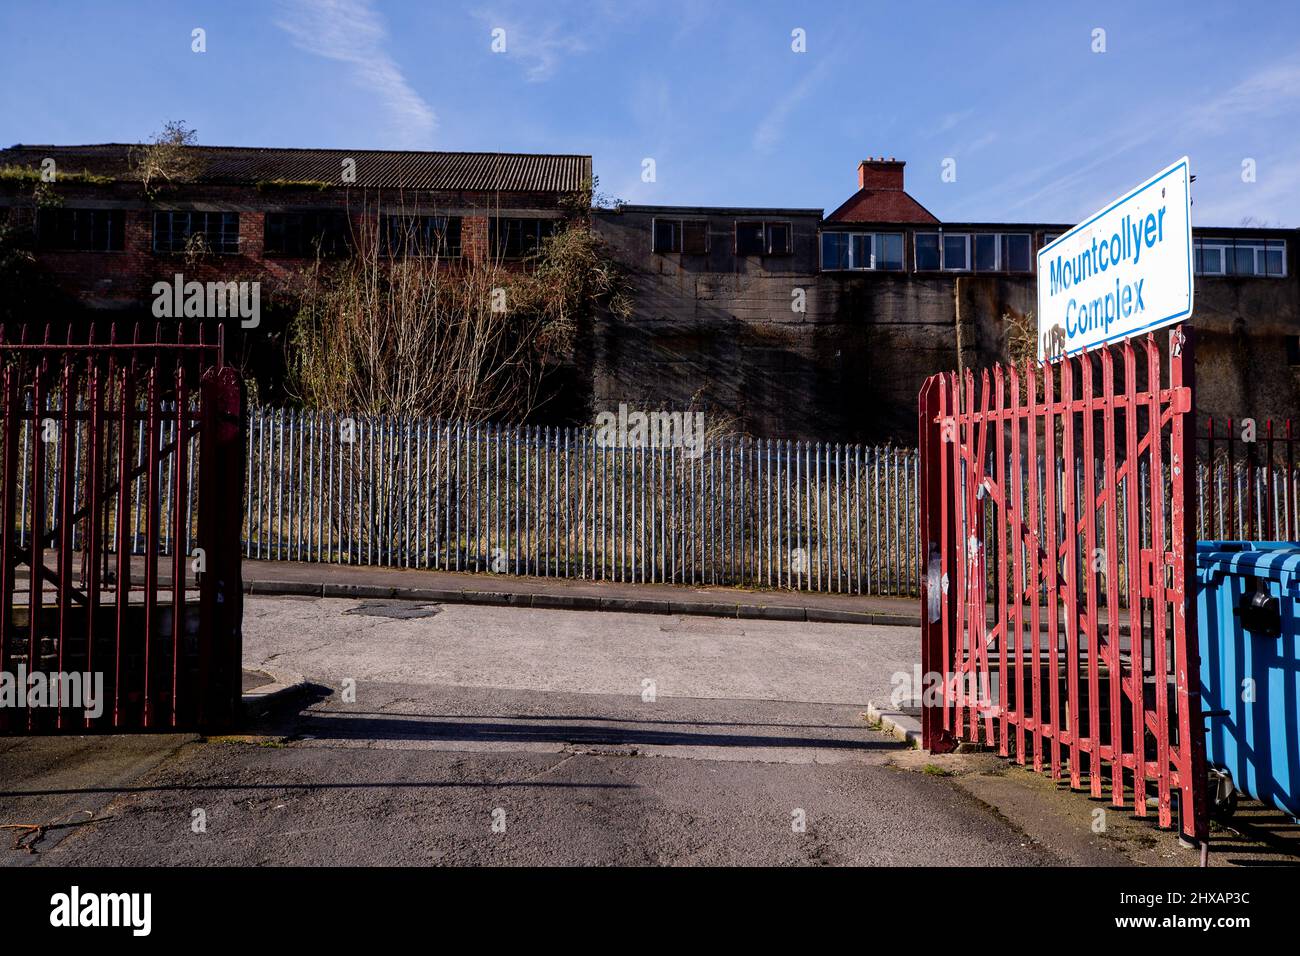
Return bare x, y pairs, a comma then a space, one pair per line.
1125, 270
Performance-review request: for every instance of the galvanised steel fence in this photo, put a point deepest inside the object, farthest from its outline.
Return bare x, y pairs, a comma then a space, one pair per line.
556, 502
1251, 492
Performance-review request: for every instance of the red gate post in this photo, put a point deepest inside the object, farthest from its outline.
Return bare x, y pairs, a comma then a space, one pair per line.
1193, 799
937, 598
221, 591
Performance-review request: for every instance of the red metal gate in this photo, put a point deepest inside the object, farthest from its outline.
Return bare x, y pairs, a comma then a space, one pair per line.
143, 602
1058, 527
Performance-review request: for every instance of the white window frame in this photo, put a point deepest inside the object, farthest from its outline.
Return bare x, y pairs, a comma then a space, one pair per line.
873, 257
943, 251
1226, 245
1221, 247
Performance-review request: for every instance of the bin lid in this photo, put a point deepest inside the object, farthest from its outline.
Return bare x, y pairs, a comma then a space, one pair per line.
1278, 560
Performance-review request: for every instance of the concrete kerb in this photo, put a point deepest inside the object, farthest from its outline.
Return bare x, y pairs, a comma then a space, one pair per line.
283, 685
580, 602
897, 723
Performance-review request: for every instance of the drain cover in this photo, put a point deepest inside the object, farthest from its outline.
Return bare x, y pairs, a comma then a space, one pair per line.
396, 610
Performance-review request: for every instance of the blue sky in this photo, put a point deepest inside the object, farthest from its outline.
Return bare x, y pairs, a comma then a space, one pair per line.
1041, 127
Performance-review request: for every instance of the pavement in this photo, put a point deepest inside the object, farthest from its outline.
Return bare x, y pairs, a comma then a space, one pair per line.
342, 581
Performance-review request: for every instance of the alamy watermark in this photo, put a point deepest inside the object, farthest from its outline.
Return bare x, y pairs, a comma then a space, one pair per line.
73, 690
639, 429
179, 299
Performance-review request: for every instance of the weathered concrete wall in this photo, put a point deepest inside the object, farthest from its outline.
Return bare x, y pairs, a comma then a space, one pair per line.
718, 332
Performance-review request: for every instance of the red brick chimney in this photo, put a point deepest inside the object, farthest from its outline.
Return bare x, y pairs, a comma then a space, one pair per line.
880, 173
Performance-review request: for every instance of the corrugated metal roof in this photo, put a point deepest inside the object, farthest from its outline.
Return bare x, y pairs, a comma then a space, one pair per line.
382, 169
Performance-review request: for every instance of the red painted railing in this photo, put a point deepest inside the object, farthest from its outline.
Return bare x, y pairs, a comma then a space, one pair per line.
1056, 625
159, 636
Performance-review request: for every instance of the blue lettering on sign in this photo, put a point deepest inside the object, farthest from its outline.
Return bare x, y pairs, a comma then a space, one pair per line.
1126, 245
1099, 313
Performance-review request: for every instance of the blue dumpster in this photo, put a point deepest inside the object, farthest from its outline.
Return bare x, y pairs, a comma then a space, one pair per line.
1248, 600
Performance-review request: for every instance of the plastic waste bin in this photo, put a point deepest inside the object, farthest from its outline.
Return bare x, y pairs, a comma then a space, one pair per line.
1248, 601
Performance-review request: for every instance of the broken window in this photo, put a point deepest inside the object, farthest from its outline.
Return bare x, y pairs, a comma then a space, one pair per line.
749, 238
695, 237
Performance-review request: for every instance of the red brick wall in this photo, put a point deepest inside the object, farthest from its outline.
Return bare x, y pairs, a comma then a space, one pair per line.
125, 279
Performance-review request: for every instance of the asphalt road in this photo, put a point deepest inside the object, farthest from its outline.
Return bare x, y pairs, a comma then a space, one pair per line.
418, 774
429, 728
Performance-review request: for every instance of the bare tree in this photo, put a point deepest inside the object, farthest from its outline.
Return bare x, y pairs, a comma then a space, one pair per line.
383, 333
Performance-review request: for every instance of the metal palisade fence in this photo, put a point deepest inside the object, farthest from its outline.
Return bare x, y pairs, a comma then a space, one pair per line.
556, 502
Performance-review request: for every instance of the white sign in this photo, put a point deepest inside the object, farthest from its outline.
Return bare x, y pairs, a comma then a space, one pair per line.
1125, 270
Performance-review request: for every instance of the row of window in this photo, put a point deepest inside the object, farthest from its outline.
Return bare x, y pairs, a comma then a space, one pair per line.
978, 252
1240, 257
1010, 252
876, 251
753, 237
290, 234
327, 232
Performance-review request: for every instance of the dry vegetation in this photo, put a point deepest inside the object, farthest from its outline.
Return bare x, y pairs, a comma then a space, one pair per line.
456, 338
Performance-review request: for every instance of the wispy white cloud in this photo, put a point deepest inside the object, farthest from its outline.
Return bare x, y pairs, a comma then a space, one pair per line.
1204, 129
771, 128
540, 49
353, 32
949, 121
1272, 91
1268, 201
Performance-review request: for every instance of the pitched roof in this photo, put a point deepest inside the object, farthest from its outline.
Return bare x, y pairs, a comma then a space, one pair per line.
382, 169
881, 205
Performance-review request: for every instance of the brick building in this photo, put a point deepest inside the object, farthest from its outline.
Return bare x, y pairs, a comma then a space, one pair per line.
235, 214
264, 213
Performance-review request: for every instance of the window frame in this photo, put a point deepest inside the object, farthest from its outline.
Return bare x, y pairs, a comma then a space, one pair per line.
916, 250
675, 236
943, 251
1227, 248
220, 248
443, 248
821, 250
331, 228
788, 226
679, 228
1004, 248
873, 256
494, 242
49, 226
996, 239
764, 237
